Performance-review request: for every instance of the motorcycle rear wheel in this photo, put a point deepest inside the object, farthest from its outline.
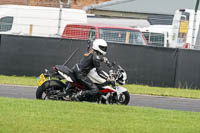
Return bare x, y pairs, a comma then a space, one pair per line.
41, 92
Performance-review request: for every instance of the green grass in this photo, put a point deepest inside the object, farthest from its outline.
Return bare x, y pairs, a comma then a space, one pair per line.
133, 89
36, 116
159, 91
18, 80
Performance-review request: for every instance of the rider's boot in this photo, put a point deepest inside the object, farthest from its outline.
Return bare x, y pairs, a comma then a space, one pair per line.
78, 97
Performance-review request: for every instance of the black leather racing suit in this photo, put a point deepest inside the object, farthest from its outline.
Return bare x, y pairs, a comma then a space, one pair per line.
88, 62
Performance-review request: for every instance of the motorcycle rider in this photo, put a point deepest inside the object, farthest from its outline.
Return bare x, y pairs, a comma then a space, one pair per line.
90, 60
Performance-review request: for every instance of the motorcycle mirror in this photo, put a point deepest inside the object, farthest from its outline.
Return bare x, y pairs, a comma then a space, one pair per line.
89, 41
89, 44
46, 70
120, 67
113, 63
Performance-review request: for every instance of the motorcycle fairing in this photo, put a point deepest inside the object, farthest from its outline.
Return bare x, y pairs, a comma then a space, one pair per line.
65, 76
95, 78
107, 89
65, 72
120, 89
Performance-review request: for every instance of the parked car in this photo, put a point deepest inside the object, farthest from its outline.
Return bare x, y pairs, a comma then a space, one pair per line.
114, 34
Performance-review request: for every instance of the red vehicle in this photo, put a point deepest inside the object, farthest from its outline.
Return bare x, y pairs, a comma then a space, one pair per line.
125, 35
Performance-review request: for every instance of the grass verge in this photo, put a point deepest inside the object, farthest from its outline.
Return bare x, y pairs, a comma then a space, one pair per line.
18, 80
133, 89
35, 116
158, 91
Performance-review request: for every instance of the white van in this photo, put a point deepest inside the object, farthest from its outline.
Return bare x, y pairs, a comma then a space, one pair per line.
37, 21
183, 28
158, 35
181, 34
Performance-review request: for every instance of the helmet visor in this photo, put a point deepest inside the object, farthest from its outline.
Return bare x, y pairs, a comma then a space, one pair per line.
103, 48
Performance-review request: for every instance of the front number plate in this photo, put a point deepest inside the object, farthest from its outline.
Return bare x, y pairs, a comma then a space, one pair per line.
41, 79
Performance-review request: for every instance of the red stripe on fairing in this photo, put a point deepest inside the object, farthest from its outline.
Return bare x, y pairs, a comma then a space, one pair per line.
107, 90
76, 84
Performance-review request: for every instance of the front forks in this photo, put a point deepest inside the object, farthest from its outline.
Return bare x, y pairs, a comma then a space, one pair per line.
110, 98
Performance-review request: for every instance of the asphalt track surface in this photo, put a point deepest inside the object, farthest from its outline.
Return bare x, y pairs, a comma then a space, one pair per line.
184, 104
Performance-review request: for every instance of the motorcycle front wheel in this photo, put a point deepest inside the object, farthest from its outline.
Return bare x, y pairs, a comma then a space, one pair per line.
124, 98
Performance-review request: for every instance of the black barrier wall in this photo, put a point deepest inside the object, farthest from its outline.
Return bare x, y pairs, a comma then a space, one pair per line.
0, 40
146, 65
31, 55
155, 66
188, 69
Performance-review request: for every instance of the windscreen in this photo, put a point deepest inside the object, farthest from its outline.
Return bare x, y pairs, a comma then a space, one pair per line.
154, 39
6, 23
121, 36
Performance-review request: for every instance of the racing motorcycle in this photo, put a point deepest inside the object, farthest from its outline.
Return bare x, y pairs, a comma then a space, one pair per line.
61, 84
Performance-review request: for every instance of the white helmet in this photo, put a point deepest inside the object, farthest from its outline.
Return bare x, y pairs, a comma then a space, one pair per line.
100, 45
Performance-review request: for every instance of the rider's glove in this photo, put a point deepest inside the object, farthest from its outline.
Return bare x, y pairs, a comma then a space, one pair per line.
105, 60
110, 81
